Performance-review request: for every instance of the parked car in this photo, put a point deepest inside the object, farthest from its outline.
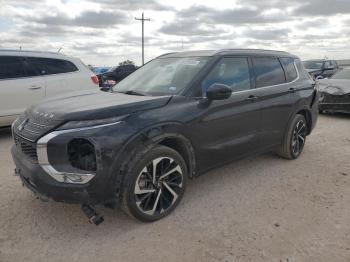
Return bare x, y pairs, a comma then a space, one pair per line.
118, 73
174, 118
100, 70
27, 77
335, 92
321, 68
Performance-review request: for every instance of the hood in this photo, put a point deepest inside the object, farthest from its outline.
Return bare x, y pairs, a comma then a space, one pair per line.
334, 86
87, 105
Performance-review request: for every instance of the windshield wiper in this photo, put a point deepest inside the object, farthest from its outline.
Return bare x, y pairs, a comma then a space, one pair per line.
132, 92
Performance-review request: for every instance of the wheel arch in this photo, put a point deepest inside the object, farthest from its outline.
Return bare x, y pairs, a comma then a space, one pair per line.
308, 117
167, 134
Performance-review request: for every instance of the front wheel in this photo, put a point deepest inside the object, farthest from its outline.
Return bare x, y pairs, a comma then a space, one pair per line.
294, 139
154, 184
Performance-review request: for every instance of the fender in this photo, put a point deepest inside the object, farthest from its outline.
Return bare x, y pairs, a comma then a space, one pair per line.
149, 137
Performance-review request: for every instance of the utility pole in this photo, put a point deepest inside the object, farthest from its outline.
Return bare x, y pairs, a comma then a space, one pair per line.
143, 19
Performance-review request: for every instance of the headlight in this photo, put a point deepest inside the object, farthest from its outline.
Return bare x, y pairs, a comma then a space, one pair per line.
91, 123
81, 153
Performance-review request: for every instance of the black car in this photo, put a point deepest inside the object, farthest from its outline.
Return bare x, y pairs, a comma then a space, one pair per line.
335, 92
174, 118
117, 73
321, 68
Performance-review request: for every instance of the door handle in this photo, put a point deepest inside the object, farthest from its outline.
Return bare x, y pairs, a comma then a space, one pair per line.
252, 98
34, 87
292, 90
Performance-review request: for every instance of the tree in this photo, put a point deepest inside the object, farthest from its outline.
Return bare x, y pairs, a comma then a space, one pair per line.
127, 62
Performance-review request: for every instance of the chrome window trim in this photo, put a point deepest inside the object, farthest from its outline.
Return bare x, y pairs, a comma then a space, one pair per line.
43, 158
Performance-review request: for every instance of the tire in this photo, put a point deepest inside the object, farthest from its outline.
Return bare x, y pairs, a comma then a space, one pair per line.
149, 196
294, 139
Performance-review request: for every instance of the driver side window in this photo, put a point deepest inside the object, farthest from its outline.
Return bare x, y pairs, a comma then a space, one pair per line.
231, 71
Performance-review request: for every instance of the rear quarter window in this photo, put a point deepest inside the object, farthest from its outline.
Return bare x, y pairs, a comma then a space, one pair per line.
268, 71
49, 66
289, 68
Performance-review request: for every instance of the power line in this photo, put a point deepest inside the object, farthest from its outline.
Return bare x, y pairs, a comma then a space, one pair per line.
143, 19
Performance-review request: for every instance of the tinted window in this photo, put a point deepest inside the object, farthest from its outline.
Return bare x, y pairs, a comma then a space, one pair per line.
48, 66
268, 71
12, 67
327, 64
289, 68
230, 71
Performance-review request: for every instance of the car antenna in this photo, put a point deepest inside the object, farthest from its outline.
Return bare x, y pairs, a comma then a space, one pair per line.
59, 50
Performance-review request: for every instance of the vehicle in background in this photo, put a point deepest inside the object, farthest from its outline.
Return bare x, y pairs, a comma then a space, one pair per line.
176, 117
100, 70
27, 77
335, 92
321, 68
116, 73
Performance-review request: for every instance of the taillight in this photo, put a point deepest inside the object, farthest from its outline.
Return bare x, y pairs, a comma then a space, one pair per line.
94, 79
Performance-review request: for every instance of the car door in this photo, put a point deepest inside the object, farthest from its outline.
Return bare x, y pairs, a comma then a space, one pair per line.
277, 92
227, 129
20, 87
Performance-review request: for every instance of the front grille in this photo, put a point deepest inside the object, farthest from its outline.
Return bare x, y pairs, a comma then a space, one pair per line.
34, 126
27, 147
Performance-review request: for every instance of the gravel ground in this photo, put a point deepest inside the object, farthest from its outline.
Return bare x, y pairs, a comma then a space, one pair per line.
259, 209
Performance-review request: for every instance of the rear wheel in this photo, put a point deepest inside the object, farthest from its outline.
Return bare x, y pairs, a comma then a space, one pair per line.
295, 138
154, 184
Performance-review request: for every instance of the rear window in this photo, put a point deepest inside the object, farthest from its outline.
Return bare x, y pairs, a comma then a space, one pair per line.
268, 71
49, 66
289, 68
15, 67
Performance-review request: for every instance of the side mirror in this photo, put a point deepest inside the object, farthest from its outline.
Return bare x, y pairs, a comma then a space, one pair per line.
218, 92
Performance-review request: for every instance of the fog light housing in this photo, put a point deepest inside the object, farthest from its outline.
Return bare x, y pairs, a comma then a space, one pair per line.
82, 155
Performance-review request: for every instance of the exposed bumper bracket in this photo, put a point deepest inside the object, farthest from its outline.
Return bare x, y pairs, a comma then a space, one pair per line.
92, 215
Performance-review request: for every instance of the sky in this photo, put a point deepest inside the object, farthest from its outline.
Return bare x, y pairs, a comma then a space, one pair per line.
105, 32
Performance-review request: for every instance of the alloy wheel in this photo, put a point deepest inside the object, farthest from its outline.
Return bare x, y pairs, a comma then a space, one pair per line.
158, 186
298, 138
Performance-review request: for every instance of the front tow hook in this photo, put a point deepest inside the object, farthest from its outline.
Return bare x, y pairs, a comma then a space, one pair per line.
92, 215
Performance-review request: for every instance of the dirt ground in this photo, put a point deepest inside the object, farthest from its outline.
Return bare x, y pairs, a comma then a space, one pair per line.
258, 209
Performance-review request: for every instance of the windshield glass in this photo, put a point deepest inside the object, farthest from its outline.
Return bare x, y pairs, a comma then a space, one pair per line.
162, 76
313, 64
342, 74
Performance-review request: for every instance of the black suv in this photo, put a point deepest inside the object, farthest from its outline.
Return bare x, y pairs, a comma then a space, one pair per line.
174, 118
321, 68
117, 73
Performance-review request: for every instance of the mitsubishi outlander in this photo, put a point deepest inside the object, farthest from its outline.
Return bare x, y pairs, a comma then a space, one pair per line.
173, 119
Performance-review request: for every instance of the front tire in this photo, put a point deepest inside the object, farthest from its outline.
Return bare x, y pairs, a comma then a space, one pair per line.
154, 183
294, 139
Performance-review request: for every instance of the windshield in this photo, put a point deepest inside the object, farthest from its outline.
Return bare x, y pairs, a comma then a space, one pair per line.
313, 64
162, 76
342, 74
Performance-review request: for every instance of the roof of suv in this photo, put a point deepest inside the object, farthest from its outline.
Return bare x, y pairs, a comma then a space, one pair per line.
31, 53
258, 52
